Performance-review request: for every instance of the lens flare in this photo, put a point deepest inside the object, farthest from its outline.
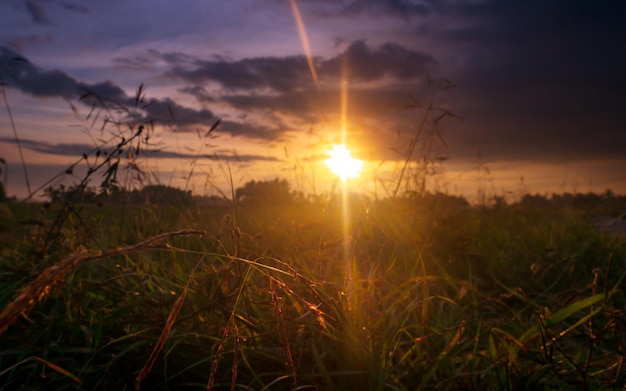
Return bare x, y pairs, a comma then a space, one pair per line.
304, 38
343, 164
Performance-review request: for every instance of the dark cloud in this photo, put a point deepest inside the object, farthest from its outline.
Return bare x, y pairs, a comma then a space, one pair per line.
277, 73
77, 150
199, 92
141, 62
370, 103
298, 103
28, 78
150, 59
36, 11
168, 112
39, 15
178, 58
402, 9
538, 80
398, 8
105, 90
18, 72
60, 149
251, 130
366, 65
270, 85
222, 155
242, 158
285, 74
74, 7
559, 42
536, 41
47, 83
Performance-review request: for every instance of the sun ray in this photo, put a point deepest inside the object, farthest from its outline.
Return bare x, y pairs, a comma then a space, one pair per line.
344, 106
304, 38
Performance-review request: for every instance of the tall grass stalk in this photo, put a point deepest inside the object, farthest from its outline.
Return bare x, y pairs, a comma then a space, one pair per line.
17, 138
424, 137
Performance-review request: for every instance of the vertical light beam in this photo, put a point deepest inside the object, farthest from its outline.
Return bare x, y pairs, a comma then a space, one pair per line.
305, 40
344, 101
351, 271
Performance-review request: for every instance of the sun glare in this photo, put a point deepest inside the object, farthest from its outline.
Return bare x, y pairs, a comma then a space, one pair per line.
343, 164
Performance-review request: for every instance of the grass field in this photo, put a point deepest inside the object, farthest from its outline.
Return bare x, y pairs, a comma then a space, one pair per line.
416, 292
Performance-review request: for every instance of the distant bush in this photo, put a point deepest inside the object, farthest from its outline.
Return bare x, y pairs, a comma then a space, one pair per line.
275, 192
607, 203
161, 194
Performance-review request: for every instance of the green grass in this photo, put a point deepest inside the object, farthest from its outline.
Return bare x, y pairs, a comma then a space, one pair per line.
432, 295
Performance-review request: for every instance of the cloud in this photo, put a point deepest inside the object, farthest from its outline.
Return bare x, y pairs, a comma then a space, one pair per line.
20, 43
289, 73
198, 92
36, 11
105, 90
18, 72
74, 7
366, 65
280, 74
569, 41
397, 8
47, 83
77, 150
39, 15
537, 80
167, 112
60, 149
370, 103
271, 86
282, 85
141, 62
21, 74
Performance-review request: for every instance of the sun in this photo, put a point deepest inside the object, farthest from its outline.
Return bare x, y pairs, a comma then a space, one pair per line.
342, 164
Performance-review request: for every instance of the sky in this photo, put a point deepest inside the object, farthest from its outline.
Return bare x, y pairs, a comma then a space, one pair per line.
526, 96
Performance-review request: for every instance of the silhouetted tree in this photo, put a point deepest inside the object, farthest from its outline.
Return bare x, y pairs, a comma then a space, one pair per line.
161, 194
275, 192
534, 201
441, 199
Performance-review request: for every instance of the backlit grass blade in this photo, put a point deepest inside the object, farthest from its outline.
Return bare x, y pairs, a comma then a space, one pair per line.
171, 319
46, 363
581, 321
562, 314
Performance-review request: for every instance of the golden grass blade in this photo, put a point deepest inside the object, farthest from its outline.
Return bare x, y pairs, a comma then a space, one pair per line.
169, 323
233, 380
282, 331
216, 359
454, 341
55, 275
50, 365
220, 348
